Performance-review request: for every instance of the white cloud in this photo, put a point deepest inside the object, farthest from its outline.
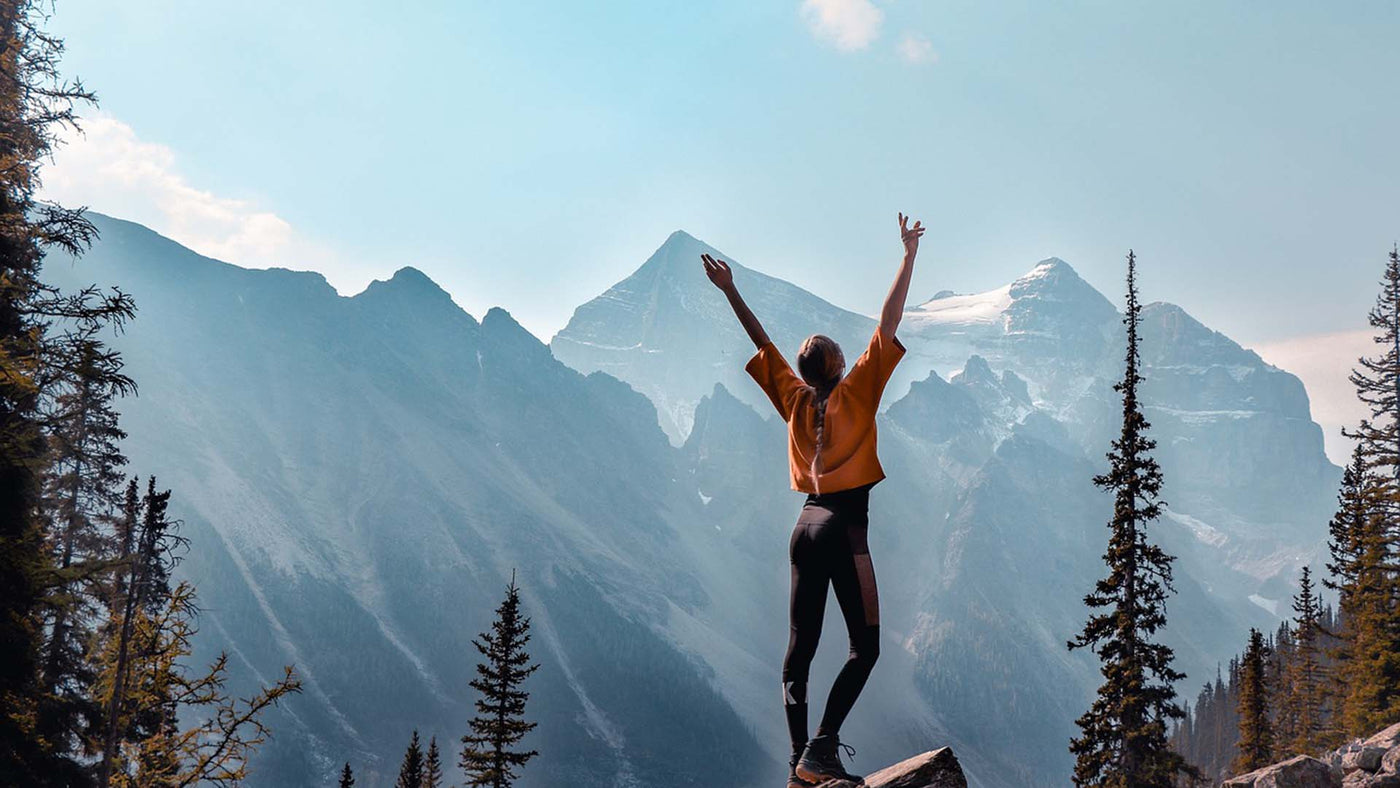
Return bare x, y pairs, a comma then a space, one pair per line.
109, 168
916, 48
848, 24
1323, 362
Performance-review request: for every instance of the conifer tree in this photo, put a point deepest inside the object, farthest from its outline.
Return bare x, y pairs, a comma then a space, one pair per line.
1366, 547
347, 777
81, 496
411, 771
489, 756
1124, 733
143, 680
1377, 382
1366, 685
36, 104
1256, 745
432, 767
1305, 673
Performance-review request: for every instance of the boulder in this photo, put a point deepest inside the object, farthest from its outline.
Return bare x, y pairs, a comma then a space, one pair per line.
935, 769
1387, 739
1299, 772
1360, 779
1366, 758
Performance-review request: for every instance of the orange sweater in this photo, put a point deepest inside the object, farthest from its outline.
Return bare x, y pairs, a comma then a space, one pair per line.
848, 454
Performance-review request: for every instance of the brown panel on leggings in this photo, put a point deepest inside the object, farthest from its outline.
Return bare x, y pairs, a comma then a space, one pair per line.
865, 572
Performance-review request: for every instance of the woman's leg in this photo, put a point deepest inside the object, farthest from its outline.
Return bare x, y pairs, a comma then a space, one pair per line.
807, 604
853, 578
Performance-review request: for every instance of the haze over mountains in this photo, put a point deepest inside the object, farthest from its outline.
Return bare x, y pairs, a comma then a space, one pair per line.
360, 475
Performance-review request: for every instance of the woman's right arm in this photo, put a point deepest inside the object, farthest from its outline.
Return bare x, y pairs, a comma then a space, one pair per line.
723, 278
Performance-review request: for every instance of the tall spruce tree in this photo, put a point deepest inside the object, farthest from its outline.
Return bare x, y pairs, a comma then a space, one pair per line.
1305, 675
1124, 733
489, 756
82, 497
1366, 545
347, 777
411, 771
1256, 744
432, 767
36, 104
1377, 382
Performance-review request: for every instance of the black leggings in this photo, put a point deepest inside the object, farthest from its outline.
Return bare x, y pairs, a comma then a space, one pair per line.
829, 546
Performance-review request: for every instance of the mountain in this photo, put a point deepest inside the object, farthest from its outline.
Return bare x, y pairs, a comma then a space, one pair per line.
658, 327
988, 526
360, 475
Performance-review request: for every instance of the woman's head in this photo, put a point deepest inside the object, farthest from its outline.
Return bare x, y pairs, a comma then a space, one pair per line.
820, 363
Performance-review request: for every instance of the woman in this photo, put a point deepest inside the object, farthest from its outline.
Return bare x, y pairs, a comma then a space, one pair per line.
832, 458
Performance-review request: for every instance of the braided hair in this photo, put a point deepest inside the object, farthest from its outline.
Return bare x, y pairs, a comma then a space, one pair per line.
821, 364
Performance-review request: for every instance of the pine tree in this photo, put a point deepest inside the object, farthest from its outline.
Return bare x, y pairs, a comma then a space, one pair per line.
1124, 733
1366, 546
82, 493
36, 104
1305, 674
488, 754
347, 777
1256, 745
1377, 382
411, 772
142, 679
1366, 686
432, 768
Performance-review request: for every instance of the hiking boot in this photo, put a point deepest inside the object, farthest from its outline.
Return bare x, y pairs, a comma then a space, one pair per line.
793, 780
821, 761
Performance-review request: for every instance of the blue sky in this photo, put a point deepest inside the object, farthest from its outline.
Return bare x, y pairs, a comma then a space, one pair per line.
531, 154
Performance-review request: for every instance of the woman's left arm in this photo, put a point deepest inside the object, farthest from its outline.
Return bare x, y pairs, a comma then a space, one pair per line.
899, 291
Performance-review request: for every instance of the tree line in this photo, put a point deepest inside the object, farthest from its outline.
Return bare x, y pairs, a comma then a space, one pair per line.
1327, 675
97, 687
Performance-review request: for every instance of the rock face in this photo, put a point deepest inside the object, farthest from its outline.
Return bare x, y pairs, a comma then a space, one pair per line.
935, 769
1365, 763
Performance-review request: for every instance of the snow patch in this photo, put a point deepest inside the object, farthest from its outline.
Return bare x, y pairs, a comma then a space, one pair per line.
978, 309
1270, 605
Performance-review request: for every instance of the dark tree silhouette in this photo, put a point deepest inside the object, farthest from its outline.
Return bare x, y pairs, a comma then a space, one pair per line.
489, 756
411, 772
1256, 745
432, 767
36, 104
1305, 674
347, 777
1123, 741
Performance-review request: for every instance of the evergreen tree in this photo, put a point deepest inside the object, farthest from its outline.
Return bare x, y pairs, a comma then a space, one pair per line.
82, 493
1366, 686
1377, 382
143, 681
1124, 733
489, 756
347, 777
432, 767
411, 772
1367, 546
1256, 743
36, 104
1305, 673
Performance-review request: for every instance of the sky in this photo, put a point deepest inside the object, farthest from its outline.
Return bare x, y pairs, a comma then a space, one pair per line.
530, 154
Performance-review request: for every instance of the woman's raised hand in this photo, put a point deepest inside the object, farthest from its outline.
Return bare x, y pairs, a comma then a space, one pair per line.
718, 272
910, 235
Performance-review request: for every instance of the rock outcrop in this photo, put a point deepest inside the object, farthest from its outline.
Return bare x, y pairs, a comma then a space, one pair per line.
935, 769
1364, 763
